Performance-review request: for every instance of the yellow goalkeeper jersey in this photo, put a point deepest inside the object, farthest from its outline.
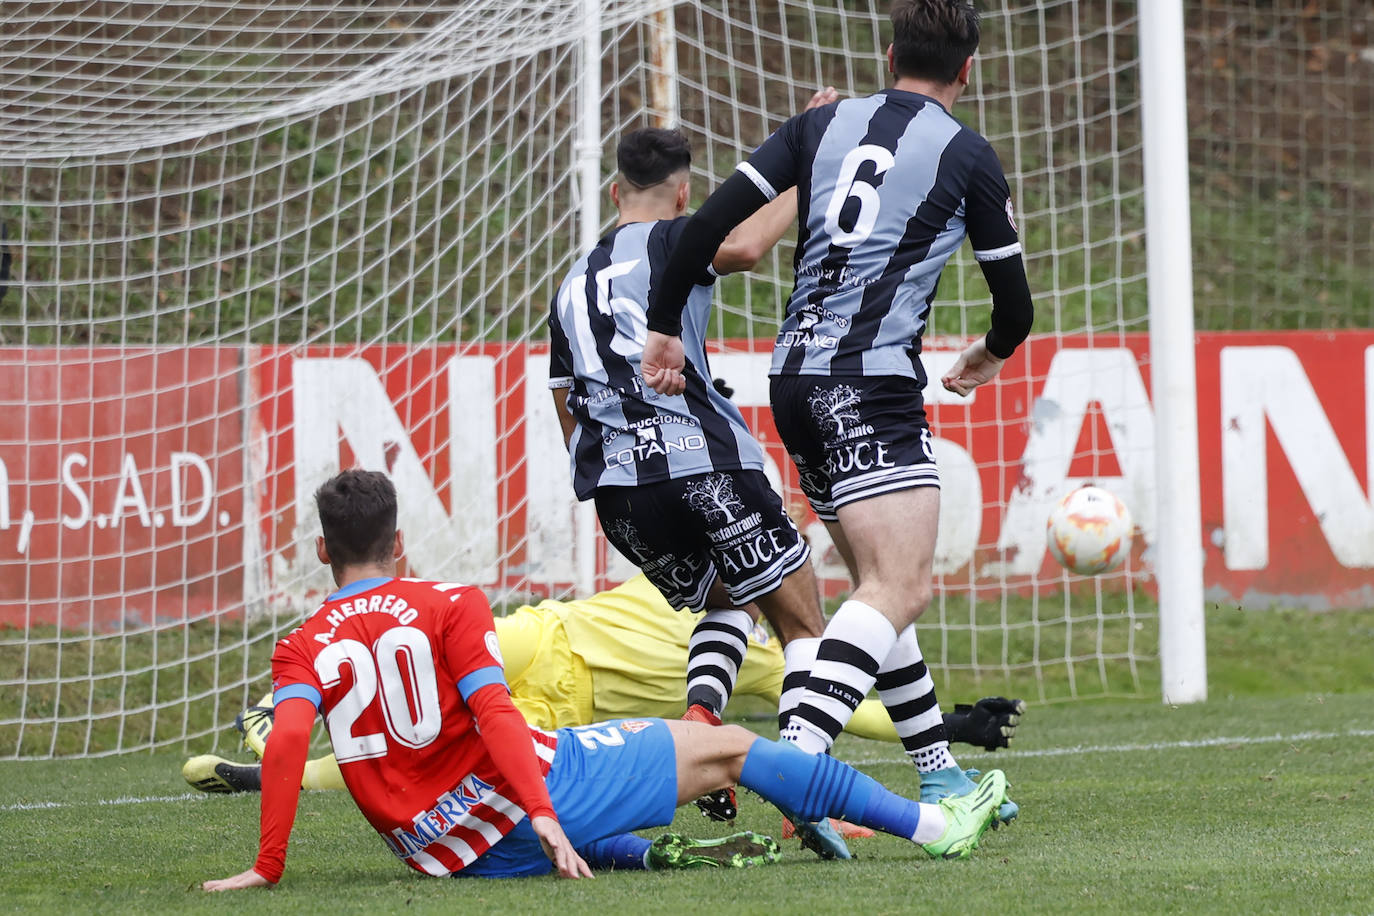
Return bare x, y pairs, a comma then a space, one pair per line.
623, 652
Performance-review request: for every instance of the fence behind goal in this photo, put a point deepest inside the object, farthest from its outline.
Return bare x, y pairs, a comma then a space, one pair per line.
254, 243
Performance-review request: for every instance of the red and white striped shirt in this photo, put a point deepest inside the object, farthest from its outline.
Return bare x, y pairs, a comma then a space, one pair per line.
409, 677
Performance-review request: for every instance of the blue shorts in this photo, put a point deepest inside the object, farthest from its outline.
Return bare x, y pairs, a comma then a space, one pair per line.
607, 778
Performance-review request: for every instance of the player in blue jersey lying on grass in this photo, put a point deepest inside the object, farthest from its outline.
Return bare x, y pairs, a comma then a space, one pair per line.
616, 654
409, 677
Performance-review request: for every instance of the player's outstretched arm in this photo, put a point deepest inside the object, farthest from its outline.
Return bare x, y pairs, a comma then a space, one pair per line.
559, 849
282, 766
990, 723
748, 242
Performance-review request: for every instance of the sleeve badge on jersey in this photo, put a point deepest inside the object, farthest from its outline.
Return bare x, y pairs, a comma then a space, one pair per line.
1011, 216
634, 726
494, 647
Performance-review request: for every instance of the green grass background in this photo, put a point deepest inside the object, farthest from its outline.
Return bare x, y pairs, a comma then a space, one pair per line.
1258, 800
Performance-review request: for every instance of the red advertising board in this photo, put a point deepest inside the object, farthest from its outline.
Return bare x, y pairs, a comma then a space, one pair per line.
143, 484
123, 485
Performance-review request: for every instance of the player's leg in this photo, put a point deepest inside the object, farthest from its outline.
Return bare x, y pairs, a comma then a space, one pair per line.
209, 773
255, 724
841, 542
653, 527
658, 527
794, 611
814, 787
893, 539
715, 652
762, 559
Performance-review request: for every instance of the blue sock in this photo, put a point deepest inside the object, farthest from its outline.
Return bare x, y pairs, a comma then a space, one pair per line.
623, 851
817, 786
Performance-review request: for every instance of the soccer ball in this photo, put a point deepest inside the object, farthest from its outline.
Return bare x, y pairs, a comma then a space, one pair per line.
1089, 531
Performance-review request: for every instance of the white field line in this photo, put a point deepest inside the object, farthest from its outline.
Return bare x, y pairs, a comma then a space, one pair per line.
862, 761
1138, 748
121, 800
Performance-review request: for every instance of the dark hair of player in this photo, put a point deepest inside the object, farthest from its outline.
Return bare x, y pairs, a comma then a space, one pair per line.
649, 155
358, 514
931, 39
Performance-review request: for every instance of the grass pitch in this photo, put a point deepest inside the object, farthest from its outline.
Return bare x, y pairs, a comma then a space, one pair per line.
1257, 804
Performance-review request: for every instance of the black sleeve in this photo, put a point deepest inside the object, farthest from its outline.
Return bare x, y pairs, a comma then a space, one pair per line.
774, 166
560, 354
1012, 309
988, 211
991, 222
731, 204
668, 241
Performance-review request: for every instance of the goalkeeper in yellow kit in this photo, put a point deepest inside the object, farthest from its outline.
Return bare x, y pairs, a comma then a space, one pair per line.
617, 654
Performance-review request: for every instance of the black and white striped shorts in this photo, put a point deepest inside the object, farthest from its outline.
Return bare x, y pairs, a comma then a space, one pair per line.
853, 437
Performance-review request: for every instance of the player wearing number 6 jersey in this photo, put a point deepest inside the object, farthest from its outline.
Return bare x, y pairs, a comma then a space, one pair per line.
410, 681
888, 187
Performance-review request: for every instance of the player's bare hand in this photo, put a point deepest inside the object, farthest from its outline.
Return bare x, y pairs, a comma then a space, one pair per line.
974, 367
559, 849
822, 97
248, 878
662, 364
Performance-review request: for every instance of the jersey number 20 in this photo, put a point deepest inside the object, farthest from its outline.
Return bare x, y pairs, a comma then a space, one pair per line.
378, 674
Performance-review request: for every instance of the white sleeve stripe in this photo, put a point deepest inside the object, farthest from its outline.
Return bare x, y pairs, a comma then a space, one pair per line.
759, 181
998, 254
710, 269
563, 381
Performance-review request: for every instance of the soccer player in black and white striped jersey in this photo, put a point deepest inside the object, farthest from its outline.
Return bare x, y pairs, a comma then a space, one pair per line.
678, 480
888, 188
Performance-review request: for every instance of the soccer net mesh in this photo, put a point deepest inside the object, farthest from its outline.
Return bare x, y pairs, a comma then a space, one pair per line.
248, 244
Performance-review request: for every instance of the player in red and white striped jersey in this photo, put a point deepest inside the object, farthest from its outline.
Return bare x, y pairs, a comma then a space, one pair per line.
409, 671
409, 677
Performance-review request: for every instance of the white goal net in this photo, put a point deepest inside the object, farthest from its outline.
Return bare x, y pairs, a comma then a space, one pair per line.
249, 243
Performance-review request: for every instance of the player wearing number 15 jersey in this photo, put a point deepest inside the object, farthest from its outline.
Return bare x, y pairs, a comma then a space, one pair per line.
678, 480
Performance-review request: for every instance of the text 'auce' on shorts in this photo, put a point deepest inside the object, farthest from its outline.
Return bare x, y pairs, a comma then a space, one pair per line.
853, 437
685, 533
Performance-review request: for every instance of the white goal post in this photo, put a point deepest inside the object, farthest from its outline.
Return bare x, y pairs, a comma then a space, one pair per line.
255, 242
1168, 230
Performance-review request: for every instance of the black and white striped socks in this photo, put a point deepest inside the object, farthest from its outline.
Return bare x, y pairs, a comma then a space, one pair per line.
860, 650
908, 691
714, 655
855, 641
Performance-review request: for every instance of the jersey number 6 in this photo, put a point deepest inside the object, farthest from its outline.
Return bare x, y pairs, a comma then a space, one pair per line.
414, 688
847, 186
